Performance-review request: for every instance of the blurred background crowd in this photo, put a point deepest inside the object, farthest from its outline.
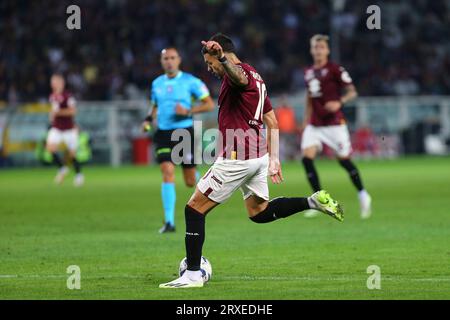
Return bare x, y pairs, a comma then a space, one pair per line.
115, 55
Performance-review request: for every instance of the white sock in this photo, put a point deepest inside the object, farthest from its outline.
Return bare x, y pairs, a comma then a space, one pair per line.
311, 203
363, 194
194, 275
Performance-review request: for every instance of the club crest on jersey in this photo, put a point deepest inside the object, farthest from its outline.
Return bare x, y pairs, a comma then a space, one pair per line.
169, 89
323, 72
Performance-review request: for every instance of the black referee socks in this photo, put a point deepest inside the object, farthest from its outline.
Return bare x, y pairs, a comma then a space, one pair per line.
195, 236
281, 208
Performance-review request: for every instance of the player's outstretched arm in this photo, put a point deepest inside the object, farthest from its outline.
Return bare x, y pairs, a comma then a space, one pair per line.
206, 105
234, 72
273, 146
350, 94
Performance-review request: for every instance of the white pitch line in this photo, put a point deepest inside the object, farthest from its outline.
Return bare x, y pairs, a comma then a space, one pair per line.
386, 278
244, 278
58, 276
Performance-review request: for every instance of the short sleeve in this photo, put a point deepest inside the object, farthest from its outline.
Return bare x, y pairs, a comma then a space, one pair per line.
71, 102
199, 89
343, 77
267, 105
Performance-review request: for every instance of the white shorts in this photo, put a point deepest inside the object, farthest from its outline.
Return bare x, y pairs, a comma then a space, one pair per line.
68, 137
226, 176
336, 137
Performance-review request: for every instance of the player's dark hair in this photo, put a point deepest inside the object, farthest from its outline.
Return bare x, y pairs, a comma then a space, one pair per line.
225, 42
58, 74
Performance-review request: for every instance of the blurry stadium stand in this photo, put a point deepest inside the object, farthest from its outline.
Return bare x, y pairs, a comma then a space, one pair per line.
381, 127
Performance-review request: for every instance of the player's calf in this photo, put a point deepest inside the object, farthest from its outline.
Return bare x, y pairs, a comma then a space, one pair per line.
195, 236
311, 173
353, 172
281, 208
284, 207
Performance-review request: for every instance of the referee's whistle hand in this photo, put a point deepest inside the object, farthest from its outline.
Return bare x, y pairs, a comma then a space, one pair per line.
146, 126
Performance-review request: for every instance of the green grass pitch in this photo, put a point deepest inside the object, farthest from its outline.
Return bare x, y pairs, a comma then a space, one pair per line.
109, 229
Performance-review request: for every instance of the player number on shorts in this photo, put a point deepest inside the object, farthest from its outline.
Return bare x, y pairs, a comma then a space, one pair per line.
262, 96
314, 88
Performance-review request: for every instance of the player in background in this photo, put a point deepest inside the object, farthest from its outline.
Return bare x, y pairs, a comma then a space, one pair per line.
172, 96
244, 106
324, 120
63, 129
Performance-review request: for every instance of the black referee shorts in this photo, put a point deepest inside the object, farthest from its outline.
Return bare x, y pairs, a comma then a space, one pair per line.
164, 146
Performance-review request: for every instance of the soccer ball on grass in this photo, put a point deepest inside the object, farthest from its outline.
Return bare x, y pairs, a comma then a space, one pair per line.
205, 268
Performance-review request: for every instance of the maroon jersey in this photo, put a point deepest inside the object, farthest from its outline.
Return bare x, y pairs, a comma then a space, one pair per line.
62, 101
241, 112
325, 84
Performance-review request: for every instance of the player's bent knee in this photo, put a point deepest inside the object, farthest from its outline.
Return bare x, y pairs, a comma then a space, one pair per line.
309, 153
255, 206
201, 203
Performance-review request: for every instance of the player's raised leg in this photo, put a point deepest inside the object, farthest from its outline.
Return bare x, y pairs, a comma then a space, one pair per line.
263, 211
256, 195
168, 196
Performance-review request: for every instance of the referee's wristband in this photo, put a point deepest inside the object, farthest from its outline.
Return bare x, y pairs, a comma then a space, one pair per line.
223, 59
149, 118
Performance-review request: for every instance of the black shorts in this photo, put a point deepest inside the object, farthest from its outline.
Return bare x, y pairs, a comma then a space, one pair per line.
164, 146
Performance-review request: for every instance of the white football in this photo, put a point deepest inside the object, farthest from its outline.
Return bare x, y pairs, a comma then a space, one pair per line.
205, 268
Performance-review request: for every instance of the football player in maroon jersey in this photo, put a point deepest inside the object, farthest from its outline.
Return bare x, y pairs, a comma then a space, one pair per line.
63, 129
329, 87
246, 158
